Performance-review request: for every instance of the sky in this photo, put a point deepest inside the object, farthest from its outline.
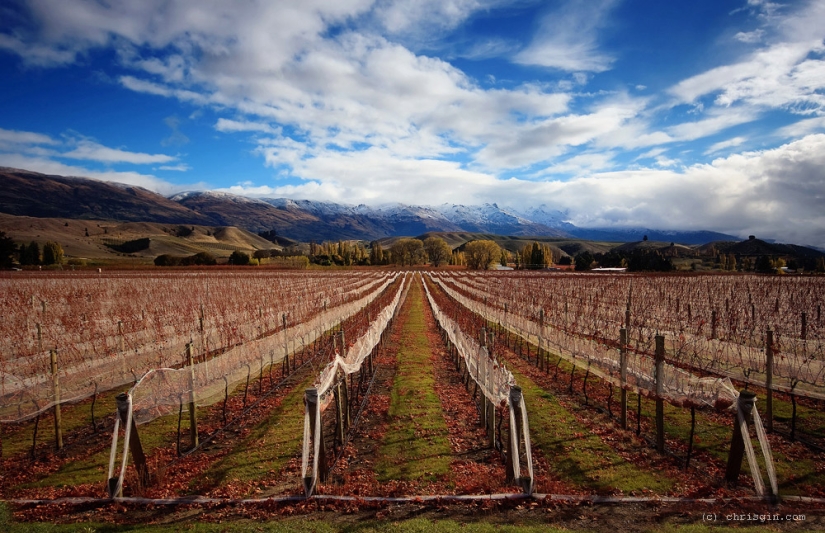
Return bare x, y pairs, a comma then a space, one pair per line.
690, 115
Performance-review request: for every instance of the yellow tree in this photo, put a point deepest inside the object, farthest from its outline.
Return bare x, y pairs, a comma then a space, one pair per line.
481, 254
408, 252
437, 250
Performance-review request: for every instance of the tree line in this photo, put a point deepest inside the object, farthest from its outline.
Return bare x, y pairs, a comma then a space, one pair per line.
29, 254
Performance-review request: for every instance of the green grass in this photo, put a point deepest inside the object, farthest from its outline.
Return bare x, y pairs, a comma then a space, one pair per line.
271, 444
303, 524
574, 453
17, 439
155, 434
415, 445
793, 474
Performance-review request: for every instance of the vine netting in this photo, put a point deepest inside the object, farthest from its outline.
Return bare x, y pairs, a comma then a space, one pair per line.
163, 391
106, 331
334, 372
600, 358
718, 325
496, 384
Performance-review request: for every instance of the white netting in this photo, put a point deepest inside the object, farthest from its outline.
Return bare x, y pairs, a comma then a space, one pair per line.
492, 377
712, 324
493, 380
163, 391
108, 330
678, 386
349, 363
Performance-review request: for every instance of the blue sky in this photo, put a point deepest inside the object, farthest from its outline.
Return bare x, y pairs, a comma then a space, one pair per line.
665, 114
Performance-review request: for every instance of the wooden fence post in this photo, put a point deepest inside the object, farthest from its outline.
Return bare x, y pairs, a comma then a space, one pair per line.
515, 448
135, 447
769, 380
660, 385
623, 375
311, 400
120, 336
193, 416
58, 430
286, 346
744, 404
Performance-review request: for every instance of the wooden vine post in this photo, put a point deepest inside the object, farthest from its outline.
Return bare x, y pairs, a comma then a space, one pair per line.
135, 447
660, 386
286, 346
58, 431
769, 379
744, 405
193, 416
515, 447
311, 401
623, 375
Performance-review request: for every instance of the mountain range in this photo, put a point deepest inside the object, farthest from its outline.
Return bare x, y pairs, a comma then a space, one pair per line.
26, 193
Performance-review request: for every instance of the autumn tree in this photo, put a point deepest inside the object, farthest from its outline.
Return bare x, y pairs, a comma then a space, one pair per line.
481, 254
376, 254
52, 254
536, 256
458, 258
437, 250
408, 252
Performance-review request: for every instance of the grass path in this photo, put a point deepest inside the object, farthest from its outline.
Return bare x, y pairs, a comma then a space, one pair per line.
575, 453
264, 452
415, 445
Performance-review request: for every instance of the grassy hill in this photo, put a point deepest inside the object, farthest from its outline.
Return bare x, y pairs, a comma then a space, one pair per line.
141, 242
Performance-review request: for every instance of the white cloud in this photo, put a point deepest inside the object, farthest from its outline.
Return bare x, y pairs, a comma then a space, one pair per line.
13, 137
231, 126
802, 128
787, 73
49, 166
721, 145
773, 193
181, 167
718, 120
567, 38
750, 37
92, 151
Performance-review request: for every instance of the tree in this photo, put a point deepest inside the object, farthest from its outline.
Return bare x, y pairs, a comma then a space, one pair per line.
200, 258
376, 253
437, 250
238, 258
30, 255
536, 256
408, 252
764, 264
7, 250
166, 260
52, 254
262, 254
584, 260
481, 254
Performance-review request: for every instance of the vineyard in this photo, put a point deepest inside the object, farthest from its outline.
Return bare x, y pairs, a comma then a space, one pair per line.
449, 385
